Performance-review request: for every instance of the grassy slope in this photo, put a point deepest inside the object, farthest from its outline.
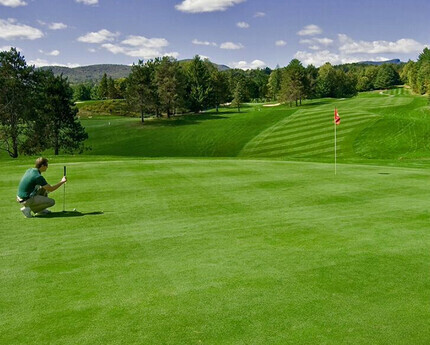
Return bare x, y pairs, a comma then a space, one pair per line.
219, 252
208, 134
388, 125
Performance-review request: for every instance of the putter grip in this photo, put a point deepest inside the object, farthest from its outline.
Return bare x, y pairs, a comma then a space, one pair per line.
64, 171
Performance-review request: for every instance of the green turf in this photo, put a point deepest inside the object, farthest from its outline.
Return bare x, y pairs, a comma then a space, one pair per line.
381, 125
258, 245
219, 252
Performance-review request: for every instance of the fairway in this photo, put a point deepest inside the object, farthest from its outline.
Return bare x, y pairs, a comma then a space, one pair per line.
218, 251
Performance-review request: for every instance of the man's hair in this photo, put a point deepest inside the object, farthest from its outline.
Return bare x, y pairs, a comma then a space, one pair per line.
41, 161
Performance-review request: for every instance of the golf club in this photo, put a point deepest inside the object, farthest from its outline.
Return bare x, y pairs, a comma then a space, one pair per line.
64, 194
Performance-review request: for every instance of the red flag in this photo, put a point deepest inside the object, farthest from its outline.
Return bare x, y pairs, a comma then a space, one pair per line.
336, 117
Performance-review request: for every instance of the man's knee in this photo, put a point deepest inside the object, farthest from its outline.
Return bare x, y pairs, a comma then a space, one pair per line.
52, 202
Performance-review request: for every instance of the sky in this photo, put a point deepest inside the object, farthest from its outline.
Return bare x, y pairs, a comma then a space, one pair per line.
238, 33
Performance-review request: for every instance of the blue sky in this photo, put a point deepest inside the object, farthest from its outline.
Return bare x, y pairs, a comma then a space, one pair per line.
238, 33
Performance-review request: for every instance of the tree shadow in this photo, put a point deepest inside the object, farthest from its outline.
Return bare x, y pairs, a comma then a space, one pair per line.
66, 214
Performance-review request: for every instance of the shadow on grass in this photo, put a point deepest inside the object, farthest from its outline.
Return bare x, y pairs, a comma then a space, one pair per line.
65, 214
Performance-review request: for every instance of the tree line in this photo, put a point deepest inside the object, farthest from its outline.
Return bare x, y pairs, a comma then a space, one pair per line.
36, 109
167, 86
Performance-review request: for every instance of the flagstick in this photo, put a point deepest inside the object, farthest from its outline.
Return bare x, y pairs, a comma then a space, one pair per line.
335, 149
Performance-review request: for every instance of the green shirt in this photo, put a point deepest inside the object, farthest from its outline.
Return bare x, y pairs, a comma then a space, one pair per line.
31, 179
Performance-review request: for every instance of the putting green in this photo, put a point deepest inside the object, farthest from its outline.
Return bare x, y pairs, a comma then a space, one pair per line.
205, 251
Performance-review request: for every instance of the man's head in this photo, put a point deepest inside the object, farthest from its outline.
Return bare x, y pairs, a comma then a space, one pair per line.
41, 164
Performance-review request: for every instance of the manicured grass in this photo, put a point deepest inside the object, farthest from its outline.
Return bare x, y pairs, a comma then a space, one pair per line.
379, 125
206, 251
256, 245
210, 134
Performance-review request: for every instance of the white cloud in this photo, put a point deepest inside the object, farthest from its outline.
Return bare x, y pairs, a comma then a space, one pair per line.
92, 50
88, 2
324, 41
280, 43
98, 37
172, 54
242, 25
52, 53
203, 43
42, 62
10, 29
310, 30
12, 3
199, 6
138, 52
141, 41
245, 65
401, 46
7, 48
231, 46
321, 57
259, 14
57, 26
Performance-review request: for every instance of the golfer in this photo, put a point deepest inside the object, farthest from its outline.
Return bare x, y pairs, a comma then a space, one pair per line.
33, 190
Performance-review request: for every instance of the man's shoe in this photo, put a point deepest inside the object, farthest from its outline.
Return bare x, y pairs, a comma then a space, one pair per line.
45, 211
26, 211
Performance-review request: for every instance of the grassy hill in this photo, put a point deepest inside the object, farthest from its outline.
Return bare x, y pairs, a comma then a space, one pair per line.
375, 125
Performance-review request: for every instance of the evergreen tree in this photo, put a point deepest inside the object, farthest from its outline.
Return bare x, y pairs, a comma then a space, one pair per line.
17, 100
57, 126
170, 85
220, 87
238, 95
294, 82
103, 87
111, 89
274, 84
387, 77
199, 89
138, 94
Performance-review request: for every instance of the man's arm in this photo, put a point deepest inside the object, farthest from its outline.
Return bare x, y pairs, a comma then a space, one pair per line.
50, 188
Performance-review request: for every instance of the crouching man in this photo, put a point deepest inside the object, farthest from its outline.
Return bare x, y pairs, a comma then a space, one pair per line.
33, 190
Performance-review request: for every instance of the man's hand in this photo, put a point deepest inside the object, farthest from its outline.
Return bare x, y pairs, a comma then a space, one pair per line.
50, 188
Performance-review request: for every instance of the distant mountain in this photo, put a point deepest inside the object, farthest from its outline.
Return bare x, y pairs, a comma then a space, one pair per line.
90, 73
94, 73
377, 63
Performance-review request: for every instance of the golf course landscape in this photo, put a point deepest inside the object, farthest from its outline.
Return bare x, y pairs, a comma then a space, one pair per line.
229, 228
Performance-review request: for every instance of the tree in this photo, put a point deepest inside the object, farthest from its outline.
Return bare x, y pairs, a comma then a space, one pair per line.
311, 76
17, 96
112, 92
274, 84
199, 88
294, 82
423, 77
82, 92
103, 87
238, 95
57, 125
326, 81
387, 77
170, 84
220, 87
138, 92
